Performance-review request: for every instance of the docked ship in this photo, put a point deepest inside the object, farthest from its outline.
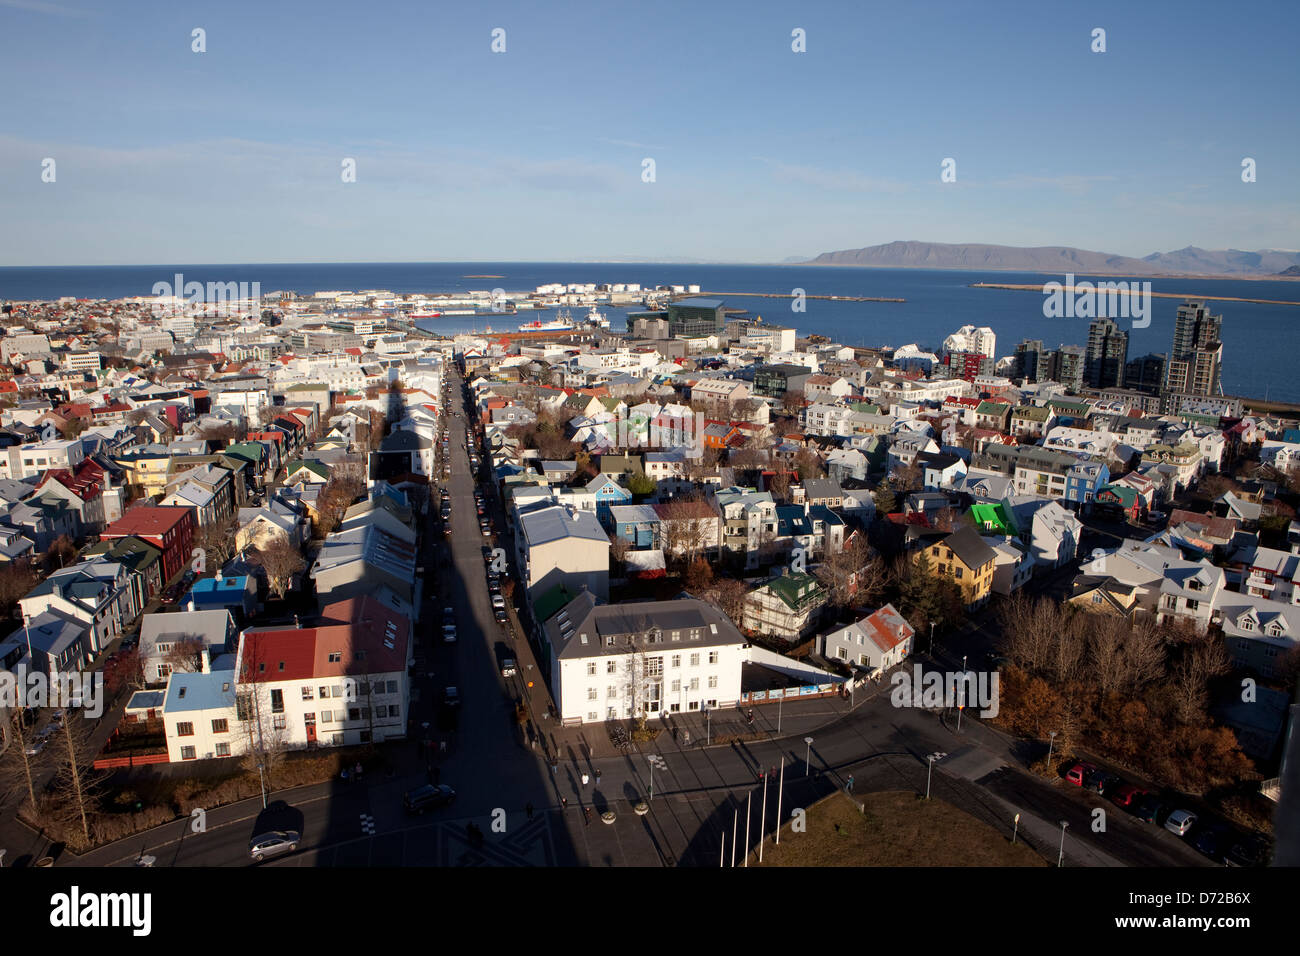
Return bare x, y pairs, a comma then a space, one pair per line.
597, 319
423, 315
562, 322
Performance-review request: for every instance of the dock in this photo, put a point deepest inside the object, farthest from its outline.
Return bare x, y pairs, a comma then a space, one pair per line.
789, 295
1020, 287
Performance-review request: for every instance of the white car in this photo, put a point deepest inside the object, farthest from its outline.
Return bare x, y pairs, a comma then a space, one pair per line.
449, 633
498, 601
1180, 821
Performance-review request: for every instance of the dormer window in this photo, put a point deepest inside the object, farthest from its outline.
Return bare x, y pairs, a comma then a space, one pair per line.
1246, 624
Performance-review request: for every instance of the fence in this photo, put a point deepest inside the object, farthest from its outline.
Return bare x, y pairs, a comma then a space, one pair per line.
806, 692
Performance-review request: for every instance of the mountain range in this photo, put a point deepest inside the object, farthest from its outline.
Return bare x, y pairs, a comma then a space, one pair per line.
1062, 259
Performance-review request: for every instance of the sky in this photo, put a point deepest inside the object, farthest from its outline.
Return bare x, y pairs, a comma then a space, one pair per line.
236, 154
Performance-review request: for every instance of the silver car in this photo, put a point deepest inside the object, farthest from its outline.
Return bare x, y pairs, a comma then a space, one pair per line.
273, 844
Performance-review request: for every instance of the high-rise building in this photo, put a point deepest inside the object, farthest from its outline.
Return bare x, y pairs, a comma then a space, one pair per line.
1194, 364
692, 318
1107, 354
981, 341
1146, 373
1067, 365
1029, 361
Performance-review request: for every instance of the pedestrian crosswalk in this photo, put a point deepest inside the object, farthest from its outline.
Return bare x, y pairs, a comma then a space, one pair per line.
367, 824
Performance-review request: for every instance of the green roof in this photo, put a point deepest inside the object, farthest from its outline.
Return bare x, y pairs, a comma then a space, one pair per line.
796, 590
1126, 495
990, 517
548, 605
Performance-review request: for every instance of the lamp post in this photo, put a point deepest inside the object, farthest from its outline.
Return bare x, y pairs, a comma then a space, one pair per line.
655, 761
1015, 828
779, 702
807, 755
1060, 859
932, 638
708, 738
1051, 740
762, 829
929, 770
749, 799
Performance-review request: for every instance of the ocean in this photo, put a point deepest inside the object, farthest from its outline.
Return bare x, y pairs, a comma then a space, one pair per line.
1258, 340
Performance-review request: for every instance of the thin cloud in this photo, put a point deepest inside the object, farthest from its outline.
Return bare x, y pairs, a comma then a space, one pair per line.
839, 180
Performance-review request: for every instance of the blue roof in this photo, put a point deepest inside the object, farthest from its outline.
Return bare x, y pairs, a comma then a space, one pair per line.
698, 303
230, 585
192, 692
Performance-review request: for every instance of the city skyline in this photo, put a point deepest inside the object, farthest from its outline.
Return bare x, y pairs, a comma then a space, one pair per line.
234, 154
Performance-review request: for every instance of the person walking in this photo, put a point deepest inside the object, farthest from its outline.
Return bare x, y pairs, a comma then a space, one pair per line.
597, 775
850, 785
564, 803
585, 778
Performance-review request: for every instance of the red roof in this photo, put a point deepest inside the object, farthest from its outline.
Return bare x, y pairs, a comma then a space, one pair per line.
346, 627
147, 521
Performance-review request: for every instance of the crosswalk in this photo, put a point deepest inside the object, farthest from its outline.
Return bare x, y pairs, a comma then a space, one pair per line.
367, 824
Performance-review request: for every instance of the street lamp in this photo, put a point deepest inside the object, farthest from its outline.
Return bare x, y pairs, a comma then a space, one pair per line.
1051, 740
930, 759
807, 755
262, 781
931, 652
707, 735
655, 761
1060, 860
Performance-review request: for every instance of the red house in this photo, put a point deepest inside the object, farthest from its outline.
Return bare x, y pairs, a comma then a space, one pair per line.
169, 529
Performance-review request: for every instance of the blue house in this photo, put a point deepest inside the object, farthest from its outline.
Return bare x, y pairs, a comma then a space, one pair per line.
638, 525
1084, 480
608, 492
236, 594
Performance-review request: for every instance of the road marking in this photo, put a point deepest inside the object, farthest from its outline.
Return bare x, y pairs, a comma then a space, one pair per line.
367, 824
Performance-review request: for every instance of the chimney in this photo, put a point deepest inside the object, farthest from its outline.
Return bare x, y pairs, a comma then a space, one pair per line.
217, 576
205, 662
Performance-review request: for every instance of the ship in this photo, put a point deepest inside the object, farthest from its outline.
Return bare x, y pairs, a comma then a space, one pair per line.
424, 315
562, 322
597, 319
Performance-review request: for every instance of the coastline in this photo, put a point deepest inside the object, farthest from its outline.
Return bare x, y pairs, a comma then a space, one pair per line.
1022, 287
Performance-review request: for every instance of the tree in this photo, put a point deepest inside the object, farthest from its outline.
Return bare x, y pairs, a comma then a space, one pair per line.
844, 572
123, 671
699, 575
618, 548
640, 484
809, 464
729, 594
61, 554
17, 768
281, 561
76, 785
185, 656
217, 541
16, 579
885, 499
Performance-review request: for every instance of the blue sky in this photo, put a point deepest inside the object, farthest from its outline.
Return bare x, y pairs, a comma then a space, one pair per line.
234, 155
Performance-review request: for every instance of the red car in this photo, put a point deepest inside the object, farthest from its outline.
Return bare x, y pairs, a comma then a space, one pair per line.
1078, 772
1127, 795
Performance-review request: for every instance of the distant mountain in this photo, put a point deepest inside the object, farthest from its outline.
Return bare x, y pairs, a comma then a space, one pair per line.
974, 256
1291, 271
1224, 261
1062, 259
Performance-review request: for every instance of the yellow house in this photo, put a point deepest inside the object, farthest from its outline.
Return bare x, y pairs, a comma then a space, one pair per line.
146, 470
962, 557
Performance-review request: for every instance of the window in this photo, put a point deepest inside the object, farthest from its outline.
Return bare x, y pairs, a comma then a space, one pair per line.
695, 660
592, 693
677, 660
391, 687
306, 693
221, 726
278, 722
842, 653
713, 657
187, 753
611, 667
713, 682
185, 729
1192, 605
591, 669
277, 701
336, 657
592, 716
324, 693
1246, 624
695, 684
326, 716
611, 691
354, 713
223, 749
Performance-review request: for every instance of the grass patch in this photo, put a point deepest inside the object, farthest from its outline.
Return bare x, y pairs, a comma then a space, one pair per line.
898, 829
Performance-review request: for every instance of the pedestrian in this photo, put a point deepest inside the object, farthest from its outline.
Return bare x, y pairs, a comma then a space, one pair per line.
597, 775
674, 735
586, 812
344, 775
564, 803
357, 772
686, 737
528, 809
850, 783
585, 778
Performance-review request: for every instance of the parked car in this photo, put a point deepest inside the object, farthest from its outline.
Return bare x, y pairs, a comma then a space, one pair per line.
451, 696
499, 614
1079, 772
1180, 821
428, 797
449, 633
1245, 853
508, 667
1211, 841
35, 746
1151, 810
498, 601
273, 844
1099, 781
1127, 795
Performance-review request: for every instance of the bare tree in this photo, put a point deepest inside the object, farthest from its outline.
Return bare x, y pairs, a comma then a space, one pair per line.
185, 656
17, 767
1198, 662
217, 540
77, 786
281, 561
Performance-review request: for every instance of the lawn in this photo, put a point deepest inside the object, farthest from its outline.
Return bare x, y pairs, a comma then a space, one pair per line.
897, 829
